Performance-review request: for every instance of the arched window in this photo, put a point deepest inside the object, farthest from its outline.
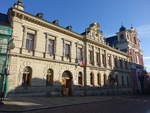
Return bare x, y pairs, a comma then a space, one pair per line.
99, 79
92, 79
105, 79
49, 77
80, 78
134, 40
27, 76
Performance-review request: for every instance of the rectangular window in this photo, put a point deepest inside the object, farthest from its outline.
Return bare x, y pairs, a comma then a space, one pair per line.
30, 42
98, 58
109, 60
104, 60
121, 63
3, 45
51, 47
116, 62
91, 56
67, 51
79, 54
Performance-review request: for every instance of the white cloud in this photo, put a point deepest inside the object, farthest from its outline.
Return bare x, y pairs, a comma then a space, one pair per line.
144, 31
147, 58
147, 66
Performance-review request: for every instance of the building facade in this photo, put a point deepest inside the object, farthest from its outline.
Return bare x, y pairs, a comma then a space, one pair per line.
126, 40
51, 59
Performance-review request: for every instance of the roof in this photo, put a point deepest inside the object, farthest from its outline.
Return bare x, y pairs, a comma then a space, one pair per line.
4, 19
56, 25
122, 28
112, 40
83, 33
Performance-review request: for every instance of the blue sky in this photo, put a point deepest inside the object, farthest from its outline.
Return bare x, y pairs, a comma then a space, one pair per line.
109, 13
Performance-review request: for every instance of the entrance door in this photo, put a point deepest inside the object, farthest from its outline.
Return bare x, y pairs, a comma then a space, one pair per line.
67, 84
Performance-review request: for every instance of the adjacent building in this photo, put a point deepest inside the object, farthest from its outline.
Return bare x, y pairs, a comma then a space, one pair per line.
126, 40
5, 37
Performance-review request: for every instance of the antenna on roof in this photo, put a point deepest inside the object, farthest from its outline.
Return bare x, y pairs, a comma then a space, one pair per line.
20, 1
131, 26
121, 23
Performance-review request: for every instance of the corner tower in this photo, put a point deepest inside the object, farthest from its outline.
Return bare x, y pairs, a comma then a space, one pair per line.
128, 42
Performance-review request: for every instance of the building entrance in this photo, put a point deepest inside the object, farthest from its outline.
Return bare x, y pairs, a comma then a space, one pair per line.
67, 83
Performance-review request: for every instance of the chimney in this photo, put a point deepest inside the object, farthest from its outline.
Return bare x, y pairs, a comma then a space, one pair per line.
40, 15
56, 22
69, 28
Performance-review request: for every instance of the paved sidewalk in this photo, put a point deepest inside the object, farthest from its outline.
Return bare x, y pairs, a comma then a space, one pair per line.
21, 104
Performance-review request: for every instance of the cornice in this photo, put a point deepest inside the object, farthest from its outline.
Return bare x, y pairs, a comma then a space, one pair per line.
107, 47
42, 59
26, 16
105, 69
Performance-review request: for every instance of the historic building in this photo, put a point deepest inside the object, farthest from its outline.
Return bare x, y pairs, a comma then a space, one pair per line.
51, 59
126, 40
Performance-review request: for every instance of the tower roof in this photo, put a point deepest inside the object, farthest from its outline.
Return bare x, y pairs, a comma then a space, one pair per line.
122, 28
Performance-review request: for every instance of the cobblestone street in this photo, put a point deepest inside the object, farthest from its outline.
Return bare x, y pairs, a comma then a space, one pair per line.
116, 105
101, 104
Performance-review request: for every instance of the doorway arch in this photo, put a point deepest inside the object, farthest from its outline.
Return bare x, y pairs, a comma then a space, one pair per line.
27, 76
67, 83
49, 77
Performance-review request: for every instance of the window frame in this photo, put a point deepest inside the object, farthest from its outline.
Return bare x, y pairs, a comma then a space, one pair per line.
30, 42
51, 45
67, 55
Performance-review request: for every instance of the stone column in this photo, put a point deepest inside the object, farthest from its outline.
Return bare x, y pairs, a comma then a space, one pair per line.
35, 49
87, 53
45, 52
94, 56
24, 37
112, 61
106, 59
63, 49
101, 62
